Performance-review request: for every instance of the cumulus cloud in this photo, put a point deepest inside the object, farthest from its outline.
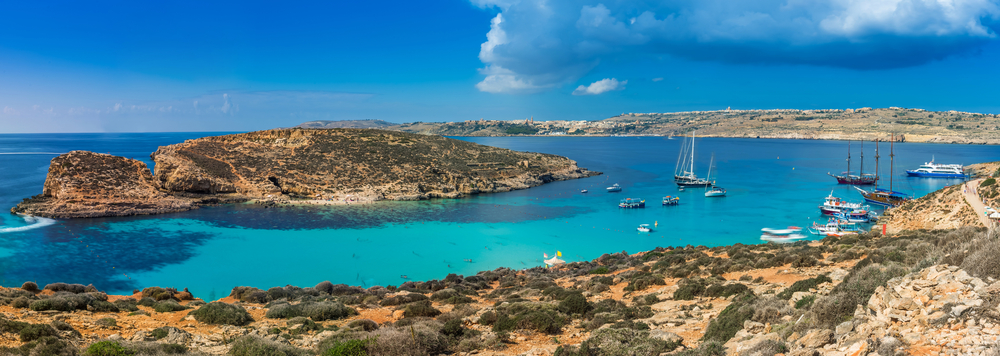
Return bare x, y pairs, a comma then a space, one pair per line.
600, 87
226, 105
117, 107
10, 111
539, 44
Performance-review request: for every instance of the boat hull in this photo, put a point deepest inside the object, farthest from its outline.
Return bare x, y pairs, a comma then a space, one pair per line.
934, 175
855, 180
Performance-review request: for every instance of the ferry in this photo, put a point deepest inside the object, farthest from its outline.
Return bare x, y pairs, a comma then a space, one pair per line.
632, 203
934, 170
670, 200
614, 188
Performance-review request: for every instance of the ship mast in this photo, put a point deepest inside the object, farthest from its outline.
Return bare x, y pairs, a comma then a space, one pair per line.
892, 160
692, 152
861, 173
876, 164
848, 159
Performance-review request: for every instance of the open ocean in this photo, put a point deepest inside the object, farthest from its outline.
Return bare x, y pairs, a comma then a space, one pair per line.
771, 183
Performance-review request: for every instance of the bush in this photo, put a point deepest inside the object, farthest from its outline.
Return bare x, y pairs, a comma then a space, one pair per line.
158, 294
619, 341
689, 289
804, 286
283, 311
47, 346
160, 333
108, 348
982, 261
33, 332
222, 313
453, 328
254, 346
168, 307
724, 291
599, 270
988, 182
128, 305
363, 324
856, 289
731, 319
20, 302
30, 286
421, 338
575, 303
805, 302
52, 303
402, 299
104, 306
423, 308
352, 347
63, 287
107, 322
326, 311
767, 348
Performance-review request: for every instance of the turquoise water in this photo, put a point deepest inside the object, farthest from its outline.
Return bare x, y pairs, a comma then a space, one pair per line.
771, 183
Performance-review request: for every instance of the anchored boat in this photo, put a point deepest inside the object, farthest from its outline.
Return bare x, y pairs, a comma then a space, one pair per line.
684, 171
861, 178
669, 200
644, 228
614, 188
632, 203
934, 170
884, 197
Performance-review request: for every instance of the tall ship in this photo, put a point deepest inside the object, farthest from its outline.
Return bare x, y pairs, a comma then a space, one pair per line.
684, 171
934, 170
884, 197
861, 178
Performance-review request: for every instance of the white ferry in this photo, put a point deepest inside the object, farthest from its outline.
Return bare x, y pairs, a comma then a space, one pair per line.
934, 170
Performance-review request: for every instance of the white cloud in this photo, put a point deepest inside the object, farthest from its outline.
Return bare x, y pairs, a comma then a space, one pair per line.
544, 44
600, 87
10, 111
657, 79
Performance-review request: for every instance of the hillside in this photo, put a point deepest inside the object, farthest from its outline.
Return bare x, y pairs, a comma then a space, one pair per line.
913, 125
345, 124
324, 166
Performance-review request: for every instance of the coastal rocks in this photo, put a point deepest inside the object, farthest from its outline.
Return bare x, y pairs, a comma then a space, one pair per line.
86, 184
942, 209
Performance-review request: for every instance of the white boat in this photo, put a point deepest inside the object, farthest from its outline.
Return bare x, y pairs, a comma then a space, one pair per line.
713, 190
782, 238
782, 232
583, 191
834, 228
684, 171
833, 205
934, 170
614, 188
644, 228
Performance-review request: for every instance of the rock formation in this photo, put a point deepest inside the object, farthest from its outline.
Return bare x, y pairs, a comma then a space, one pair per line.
87, 184
321, 164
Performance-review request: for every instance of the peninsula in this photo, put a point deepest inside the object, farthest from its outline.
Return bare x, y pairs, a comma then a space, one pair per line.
911, 125
290, 165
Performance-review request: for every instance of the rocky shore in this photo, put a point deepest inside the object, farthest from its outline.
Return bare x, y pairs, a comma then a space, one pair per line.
289, 165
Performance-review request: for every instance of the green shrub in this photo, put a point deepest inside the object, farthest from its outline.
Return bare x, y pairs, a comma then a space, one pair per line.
575, 303
158, 294
128, 305
724, 291
353, 347
52, 303
254, 346
107, 322
805, 302
988, 182
599, 270
160, 333
363, 324
30, 286
643, 281
146, 302
767, 348
423, 308
222, 313
45, 346
107, 348
327, 310
453, 328
804, 286
283, 311
731, 319
689, 289
856, 289
20, 302
168, 307
33, 332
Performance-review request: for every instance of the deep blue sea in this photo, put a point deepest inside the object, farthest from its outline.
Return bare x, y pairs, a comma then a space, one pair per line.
771, 183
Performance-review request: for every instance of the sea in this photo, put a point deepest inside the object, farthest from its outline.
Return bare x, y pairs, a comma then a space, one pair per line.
770, 182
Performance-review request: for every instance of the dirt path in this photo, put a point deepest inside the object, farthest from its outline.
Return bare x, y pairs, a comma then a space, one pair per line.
971, 193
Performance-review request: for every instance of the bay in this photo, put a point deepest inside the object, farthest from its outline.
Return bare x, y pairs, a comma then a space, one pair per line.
771, 183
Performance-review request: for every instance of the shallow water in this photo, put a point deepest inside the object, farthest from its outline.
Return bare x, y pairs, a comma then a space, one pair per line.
771, 183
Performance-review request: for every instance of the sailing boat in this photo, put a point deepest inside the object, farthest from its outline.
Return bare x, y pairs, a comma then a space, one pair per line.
684, 172
714, 191
884, 197
862, 178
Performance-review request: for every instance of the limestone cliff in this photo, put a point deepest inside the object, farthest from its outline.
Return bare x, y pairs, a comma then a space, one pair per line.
87, 184
335, 163
331, 164
943, 209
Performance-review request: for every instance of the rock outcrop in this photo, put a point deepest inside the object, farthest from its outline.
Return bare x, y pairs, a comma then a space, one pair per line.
83, 184
283, 164
942, 209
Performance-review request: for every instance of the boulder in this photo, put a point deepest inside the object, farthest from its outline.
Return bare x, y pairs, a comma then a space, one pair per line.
816, 338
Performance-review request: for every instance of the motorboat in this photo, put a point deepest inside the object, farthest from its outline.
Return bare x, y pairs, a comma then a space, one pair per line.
782, 232
934, 170
834, 228
858, 216
782, 238
671, 200
834, 205
583, 191
614, 188
632, 203
716, 191
644, 228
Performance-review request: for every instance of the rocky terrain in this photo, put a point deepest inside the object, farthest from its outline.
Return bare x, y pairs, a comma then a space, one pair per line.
345, 124
946, 208
326, 166
916, 292
913, 125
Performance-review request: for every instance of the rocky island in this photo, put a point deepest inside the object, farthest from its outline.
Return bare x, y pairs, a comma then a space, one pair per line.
319, 165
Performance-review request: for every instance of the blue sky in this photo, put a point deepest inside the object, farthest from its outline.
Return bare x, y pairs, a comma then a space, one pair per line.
192, 66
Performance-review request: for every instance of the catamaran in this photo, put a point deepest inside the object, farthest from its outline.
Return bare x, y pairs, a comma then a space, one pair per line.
684, 171
884, 197
934, 170
861, 178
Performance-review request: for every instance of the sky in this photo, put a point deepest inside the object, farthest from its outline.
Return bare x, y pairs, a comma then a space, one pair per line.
241, 66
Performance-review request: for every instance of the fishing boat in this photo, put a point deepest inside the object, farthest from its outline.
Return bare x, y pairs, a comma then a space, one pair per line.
684, 175
583, 191
934, 170
614, 188
669, 200
644, 228
834, 205
632, 203
884, 197
861, 178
